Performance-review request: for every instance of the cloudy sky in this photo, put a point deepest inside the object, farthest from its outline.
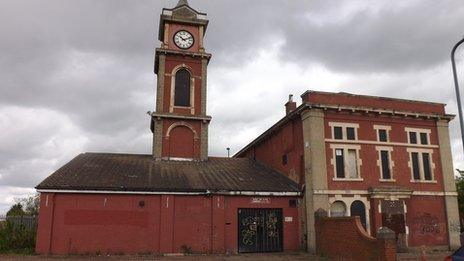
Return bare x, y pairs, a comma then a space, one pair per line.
78, 76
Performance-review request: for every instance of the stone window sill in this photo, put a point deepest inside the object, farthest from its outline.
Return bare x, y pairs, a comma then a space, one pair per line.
347, 179
423, 181
387, 180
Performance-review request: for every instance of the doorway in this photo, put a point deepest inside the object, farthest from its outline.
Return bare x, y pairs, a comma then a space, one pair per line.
260, 230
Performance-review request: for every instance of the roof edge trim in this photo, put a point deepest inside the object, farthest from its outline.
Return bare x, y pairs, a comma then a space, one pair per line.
207, 192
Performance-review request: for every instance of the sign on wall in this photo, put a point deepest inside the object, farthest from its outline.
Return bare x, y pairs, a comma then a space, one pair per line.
261, 200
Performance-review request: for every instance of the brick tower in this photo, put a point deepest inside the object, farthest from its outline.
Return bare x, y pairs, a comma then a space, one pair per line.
179, 123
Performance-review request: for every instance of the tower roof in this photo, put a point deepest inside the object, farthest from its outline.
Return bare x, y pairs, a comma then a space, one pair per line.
182, 2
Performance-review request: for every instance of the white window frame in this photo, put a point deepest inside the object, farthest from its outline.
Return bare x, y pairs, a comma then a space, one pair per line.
390, 162
345, 149
382, 127
418, 132
344, 125
421, 165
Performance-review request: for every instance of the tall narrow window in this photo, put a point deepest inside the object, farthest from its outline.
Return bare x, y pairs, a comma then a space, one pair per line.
340, 164
352, 164
182, 88
426, 165
385, 164
415, 165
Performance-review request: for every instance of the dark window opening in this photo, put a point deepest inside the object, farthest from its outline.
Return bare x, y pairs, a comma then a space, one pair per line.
385, 164
412, 137
350, 135
340, 164
292, 203
383, 135
426, 162
338, 134
285, 159
358, 209
415, 165
182, 88
424, 139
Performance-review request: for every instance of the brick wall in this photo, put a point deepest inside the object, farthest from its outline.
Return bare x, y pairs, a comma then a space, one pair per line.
344, 237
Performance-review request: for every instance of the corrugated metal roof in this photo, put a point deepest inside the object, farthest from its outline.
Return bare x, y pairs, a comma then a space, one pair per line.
132, 172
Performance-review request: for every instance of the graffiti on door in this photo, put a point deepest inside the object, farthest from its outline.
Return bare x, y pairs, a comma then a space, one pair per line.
249, 228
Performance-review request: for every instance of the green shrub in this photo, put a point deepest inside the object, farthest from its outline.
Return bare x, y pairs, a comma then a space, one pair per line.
16, 239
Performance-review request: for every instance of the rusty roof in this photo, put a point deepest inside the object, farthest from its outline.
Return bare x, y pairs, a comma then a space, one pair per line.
134, 172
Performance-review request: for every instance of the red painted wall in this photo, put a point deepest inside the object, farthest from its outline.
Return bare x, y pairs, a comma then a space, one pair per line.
94, 223
181, 141
286, 140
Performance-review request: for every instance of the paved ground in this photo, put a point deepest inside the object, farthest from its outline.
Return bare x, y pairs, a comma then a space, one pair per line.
435, 256
246, 257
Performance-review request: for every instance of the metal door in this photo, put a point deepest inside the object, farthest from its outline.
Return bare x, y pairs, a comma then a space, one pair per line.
260, 230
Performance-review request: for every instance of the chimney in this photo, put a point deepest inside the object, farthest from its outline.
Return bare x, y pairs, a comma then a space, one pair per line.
290, 105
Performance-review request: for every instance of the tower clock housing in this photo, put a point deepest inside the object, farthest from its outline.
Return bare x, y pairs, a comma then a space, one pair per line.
180, 123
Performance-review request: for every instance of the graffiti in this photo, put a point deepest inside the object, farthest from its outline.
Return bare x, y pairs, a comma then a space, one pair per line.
454, 227
250, 226
427, 223
271, 225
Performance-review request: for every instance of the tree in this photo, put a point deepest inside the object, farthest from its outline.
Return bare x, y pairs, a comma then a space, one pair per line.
16, 210
31, 204
460, 189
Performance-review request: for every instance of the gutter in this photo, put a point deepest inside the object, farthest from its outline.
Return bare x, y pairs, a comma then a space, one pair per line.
207, 192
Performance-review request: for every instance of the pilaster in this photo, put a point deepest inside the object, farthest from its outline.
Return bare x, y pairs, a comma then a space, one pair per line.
315, 170
160, 84
449, 187
157, 138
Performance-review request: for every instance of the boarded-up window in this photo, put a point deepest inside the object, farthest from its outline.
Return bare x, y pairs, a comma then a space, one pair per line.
182, 88
352, 164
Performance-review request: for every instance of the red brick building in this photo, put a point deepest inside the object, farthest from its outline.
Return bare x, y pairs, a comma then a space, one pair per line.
177, 199
385, 160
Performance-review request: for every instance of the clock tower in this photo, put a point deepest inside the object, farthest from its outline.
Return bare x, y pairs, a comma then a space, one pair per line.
180, 123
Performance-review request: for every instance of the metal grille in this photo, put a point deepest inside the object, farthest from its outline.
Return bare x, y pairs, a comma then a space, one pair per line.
260, 230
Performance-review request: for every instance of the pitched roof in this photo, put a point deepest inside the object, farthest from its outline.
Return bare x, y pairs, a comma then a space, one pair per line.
133, 172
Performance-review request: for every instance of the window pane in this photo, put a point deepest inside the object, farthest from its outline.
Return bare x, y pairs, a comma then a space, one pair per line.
284, 159
412, 137
351, 164
423, 138
383, 135
182, 88
426, 162
338, 135
350, 133
415, 165
358, 209
340, 165
385, 164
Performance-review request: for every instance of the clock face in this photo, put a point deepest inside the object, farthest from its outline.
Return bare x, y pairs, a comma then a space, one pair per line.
183, 39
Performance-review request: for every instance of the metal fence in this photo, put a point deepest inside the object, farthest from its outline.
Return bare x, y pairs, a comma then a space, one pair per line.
28, 222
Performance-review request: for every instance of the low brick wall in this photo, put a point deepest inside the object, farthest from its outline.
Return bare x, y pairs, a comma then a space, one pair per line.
344, 238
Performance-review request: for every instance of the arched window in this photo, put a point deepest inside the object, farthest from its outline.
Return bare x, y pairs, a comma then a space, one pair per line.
338, 209
182, 88
358, 209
